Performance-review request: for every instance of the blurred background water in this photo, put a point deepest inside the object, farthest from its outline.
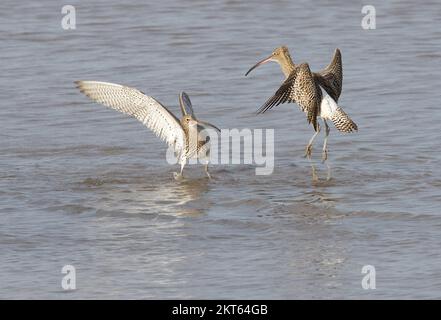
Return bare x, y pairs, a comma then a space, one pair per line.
87, 186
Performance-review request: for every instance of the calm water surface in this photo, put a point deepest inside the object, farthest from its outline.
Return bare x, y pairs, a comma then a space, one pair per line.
86, 186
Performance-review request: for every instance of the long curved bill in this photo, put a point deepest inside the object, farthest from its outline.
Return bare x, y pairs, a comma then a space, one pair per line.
186, 106
207, 125
259, 63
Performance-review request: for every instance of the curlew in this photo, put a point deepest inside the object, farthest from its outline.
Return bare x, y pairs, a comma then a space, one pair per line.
305, 88
188, 136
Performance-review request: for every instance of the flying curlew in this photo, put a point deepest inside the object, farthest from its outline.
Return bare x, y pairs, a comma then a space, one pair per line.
187, 136
305, 88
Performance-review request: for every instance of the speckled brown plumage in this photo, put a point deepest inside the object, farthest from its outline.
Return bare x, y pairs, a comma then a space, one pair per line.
331, 78
305, 88
301, 88
342, 121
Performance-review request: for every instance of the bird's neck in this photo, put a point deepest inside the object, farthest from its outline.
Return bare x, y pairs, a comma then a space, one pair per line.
190, 132
286, 64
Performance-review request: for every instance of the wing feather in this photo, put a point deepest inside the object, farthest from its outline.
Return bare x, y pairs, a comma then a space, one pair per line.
282, 95
331, 78
186, 106
302, 88
134, 103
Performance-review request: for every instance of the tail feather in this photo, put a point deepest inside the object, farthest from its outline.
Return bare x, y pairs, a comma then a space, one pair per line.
342, 121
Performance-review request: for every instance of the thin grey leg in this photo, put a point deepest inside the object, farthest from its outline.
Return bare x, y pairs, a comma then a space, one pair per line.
325, 151
206, 171
308, 153
308, 150
325, 143
179, 175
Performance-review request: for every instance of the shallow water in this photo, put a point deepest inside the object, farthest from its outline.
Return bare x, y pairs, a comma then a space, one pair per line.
86, 186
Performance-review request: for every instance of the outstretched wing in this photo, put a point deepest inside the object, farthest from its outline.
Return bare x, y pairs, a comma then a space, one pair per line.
136, 104
300, 87
186, 106
282, 95
331, 78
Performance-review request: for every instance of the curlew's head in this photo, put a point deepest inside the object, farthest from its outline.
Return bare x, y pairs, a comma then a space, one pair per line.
188, 121
281, 56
